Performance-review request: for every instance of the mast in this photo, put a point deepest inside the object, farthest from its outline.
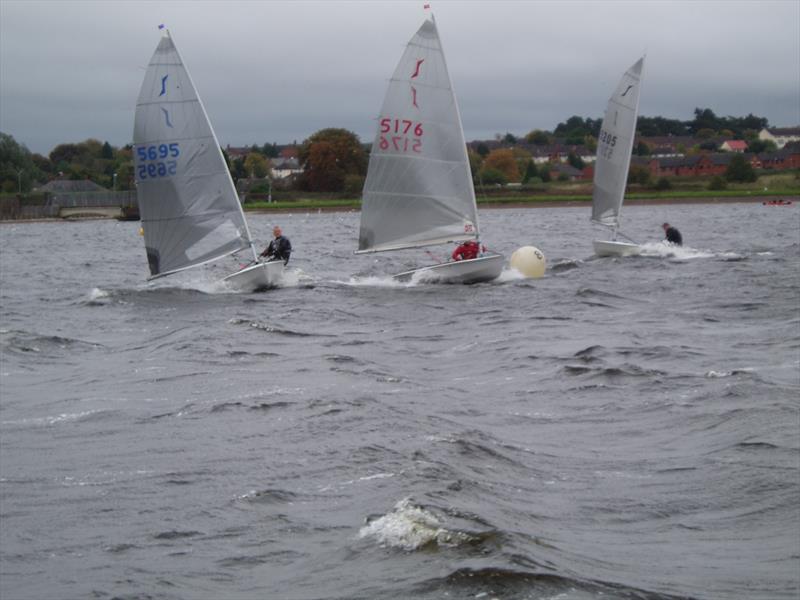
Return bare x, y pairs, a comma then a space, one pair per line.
460, 124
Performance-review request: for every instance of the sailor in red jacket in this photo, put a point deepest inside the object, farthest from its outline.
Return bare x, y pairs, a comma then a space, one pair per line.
467, 250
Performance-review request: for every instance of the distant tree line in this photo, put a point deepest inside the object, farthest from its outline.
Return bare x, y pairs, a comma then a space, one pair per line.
335, 160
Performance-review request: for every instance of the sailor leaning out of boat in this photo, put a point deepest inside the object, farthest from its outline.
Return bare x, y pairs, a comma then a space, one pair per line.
280, 248
468, 250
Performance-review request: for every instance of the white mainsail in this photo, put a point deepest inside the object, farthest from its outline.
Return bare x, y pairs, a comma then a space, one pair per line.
614, 146
187, 201
418, 189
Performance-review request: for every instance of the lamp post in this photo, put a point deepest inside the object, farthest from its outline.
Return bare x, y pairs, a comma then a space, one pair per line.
114, 185
269, 198
19, 180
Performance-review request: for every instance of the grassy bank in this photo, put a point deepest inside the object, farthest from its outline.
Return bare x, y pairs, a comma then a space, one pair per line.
543, 199
683, 189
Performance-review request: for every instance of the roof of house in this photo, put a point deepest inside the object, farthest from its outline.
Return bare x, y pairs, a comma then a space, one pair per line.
566, 169
285, 163
71, 185
784, 130
736, 144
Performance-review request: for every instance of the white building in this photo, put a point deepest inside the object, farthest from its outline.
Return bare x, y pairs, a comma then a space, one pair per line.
780, 135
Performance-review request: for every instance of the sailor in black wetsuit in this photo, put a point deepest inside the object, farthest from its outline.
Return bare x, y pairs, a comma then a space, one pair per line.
280, 248
673, 235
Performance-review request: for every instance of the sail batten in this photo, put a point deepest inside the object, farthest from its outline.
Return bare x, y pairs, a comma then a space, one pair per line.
614, 147
418, 189
190, 211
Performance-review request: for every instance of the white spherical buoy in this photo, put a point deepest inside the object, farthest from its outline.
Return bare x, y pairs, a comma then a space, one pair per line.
529, 261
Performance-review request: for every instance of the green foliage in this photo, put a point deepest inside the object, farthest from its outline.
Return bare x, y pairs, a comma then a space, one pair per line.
482, 149
740, 169
256, 165
544, 173
531, 172
353, 184
642, 149
639, 174
17, 166
538, 137
656, 126
259, 188
663, 184
575, 160
475, 162
509, 138
757, 146
270, 150
576, 128
704, 118
717, 183
532, 182
492, 176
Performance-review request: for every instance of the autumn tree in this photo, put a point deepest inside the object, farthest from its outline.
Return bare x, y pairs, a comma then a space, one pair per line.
322, 170
504, 161
328, 157
255, 165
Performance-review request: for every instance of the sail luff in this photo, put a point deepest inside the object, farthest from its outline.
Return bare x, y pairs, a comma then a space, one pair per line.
462, 140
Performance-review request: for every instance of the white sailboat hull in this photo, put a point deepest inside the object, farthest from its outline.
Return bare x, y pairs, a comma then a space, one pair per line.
611, 248
260, 276
475, 270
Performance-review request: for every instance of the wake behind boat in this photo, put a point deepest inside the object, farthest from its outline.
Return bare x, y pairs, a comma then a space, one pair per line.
473, 270
614, 146
191, 214
418, 190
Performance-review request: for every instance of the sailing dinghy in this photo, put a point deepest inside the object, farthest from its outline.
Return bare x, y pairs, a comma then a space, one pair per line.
614, 146
418, 191
191, 214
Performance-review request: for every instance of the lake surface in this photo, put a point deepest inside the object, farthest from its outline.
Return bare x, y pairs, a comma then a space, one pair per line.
620, 428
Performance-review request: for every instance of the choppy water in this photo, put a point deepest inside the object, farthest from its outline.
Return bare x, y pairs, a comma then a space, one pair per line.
617, 429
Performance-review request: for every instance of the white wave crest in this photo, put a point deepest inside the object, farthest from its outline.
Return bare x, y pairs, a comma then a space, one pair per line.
664, 250
381, 281
720, 374
509, 274
98, 294
410, 527
51, 419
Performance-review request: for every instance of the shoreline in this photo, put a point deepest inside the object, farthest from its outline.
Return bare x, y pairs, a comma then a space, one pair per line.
558, 203
535, 204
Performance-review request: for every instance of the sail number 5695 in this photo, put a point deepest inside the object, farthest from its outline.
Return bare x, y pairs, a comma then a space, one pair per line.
152, 163
402, 135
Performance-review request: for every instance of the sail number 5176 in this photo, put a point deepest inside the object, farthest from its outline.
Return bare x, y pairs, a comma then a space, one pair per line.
402, 135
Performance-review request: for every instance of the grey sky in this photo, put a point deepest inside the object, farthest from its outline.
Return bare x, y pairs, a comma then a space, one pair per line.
279, 71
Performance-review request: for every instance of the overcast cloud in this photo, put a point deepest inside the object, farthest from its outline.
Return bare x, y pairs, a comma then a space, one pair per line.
279, 71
